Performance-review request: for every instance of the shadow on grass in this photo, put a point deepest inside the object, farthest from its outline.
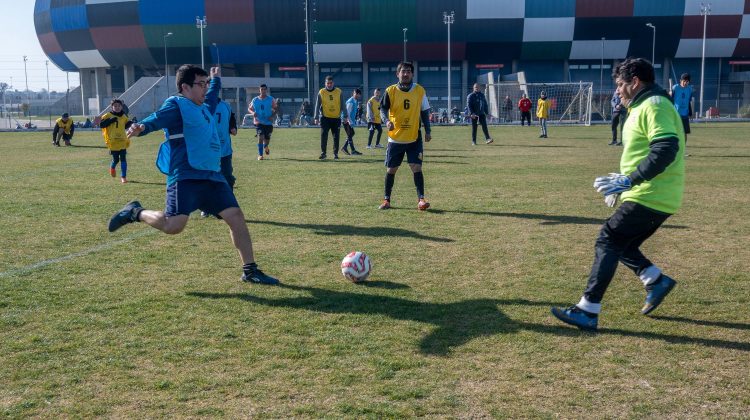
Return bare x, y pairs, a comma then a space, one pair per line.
547, 219
163, 184
455, 323
87, 147
383, 284
722, 324
720, 156
347, 230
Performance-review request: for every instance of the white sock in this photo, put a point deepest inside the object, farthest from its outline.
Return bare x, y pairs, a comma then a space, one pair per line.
587, 306
650, 275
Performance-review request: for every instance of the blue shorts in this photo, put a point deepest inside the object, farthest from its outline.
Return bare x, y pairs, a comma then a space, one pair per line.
187, 196
264, 130
394, 153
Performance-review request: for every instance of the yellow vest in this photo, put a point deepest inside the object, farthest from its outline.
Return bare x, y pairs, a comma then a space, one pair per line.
330, 102
375, 106
404, 113
114, 134
65, 125
542, 108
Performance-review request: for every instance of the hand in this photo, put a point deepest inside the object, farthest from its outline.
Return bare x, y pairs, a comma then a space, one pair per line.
474, 116
389, 125
611, 200
135, 130
233, 131
315, 122
612, 184
215, 72
427, 137
346, 121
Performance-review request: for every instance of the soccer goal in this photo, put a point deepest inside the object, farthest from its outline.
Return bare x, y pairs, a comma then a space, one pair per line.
570, 102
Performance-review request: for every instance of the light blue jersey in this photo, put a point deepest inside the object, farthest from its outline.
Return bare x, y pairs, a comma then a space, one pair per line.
352, 105
263, 109
681, 96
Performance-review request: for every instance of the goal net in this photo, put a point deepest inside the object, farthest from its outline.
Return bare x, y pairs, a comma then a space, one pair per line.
570, 102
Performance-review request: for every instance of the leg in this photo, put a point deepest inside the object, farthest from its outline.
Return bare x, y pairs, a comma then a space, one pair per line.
380, 133
615, 124
171, 225
371, 129
474, 130
123, 165
323, 136
234, 217
336, 130
113, 164
483, 121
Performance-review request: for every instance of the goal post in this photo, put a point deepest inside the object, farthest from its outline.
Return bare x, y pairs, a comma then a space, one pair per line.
570, 102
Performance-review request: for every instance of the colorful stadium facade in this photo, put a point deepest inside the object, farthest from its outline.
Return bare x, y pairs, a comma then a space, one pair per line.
360, 40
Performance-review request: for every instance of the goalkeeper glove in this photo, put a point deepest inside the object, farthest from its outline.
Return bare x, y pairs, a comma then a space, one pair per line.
611, 200
612, 184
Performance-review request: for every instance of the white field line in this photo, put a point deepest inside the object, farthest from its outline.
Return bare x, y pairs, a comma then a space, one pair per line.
102, 247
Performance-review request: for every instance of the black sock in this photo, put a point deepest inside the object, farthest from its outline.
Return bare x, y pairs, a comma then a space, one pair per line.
249, 267
389, 180
419, 183
137, 217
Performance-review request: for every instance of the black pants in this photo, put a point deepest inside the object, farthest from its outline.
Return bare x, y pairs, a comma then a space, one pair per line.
481, 119
333, 124
372, 127
619, 241
526, 116
618, 120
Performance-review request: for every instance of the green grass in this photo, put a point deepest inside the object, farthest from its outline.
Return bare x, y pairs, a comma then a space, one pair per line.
453, 323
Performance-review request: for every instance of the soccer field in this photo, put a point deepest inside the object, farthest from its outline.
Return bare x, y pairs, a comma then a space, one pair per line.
453, 322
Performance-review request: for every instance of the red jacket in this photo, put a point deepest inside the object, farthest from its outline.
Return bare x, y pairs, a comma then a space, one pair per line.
524, 104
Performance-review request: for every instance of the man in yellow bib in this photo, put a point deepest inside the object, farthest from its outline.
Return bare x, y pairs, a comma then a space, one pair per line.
64, 130
329, 111
404, 109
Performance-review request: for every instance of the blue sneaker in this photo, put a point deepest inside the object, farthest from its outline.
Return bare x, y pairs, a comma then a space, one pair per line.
578, 317
656, 293
254, 275
128, 214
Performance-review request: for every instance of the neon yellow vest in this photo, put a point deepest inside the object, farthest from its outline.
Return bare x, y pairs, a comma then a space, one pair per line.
330, 102
114, 134
404, 113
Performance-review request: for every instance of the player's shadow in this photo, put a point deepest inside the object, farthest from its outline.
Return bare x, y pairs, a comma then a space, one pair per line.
722, 324
546, 219
87, 147
455, 323
147, 183
348, 230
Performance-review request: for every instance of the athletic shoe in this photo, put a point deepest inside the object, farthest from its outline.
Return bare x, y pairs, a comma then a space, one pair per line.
67, 142
379, 146
345, 150
577, 317
112, 172
356, 152
489, 141
335, 157
612, 143
260, 157
322, 156
473, 143
254, 275
423, 204
370, 147
656, 293
385, 206
541, 136
127, 214
267, 150
123, 180
618, 144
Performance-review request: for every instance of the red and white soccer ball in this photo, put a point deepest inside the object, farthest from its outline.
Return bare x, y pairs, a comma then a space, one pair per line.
356, 266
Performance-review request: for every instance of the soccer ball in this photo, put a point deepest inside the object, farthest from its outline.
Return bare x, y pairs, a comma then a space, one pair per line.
356, 266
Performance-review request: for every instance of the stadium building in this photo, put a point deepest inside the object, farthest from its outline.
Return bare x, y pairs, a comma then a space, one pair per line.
116, 43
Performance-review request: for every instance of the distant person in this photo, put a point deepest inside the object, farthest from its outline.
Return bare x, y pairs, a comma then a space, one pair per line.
405, 109
191, 159
87, 123
682, 95
374, 120
477, 104
305, 113
650, 183
114, 125
542, 112
329, 111
262, 108
352, 107
64, 129
524, 105
508, 108
619, 113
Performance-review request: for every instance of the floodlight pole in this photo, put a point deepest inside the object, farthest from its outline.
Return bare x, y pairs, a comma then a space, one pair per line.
705, 11
28, 98
67, 92
653, 43
166, 63
448, 19
405, 29
201, 24
308, 58
601, 81
49, 98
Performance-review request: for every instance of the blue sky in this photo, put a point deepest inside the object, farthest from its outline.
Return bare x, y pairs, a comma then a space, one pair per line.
20, 39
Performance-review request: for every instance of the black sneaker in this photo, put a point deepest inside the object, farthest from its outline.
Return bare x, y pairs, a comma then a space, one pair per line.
254, 275
335, 157
322, 156
655, 293
345, 150
356, 152
577, 317
127, 214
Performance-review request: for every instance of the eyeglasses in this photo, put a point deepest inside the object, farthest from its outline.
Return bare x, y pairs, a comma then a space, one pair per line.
202, 83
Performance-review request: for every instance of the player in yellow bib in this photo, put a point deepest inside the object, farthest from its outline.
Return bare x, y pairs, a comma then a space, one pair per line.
64, 129
405, 109
374, 120
114, 125
329, 111
650, 183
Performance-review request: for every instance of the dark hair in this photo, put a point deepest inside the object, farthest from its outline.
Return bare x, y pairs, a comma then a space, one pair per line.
264, 86
358, 91
685, 76
405, 64
186, 74
65, 115
635, 67
117, 101
329, 77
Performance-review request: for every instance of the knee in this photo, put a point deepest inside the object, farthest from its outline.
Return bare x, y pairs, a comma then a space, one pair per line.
173, 230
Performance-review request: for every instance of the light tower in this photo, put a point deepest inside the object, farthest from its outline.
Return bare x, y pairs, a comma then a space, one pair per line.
448, 19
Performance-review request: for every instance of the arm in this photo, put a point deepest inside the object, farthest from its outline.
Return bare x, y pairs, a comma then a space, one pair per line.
424, 113
72, 129
212, 96
233, 124
318, 110
385, 106
55, 131
107, 120
168, 116
344, 115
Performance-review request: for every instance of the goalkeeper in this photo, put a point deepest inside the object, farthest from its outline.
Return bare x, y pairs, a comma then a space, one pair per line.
650, 185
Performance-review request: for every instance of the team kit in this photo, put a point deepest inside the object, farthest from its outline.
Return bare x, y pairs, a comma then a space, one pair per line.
196, 157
